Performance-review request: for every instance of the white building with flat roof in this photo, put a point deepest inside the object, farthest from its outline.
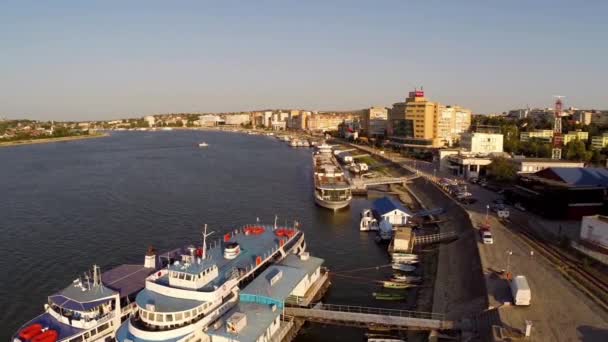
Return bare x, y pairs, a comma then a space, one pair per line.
482, 143
150, 120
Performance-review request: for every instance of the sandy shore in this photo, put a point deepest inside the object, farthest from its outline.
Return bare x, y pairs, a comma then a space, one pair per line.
51, 140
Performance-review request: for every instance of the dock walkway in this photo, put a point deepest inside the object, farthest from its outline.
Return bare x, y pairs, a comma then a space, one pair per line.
367, 317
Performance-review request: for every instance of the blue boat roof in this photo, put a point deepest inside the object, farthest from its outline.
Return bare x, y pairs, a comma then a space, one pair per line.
126, 279
259, 318
387, 204
293, 271
577, 176
81, 298
164, 303
251, 247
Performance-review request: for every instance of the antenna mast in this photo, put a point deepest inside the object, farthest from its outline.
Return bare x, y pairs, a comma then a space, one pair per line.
556, 153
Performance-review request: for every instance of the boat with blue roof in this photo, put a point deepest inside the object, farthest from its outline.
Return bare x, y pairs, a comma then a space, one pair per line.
198, 296
177, 295
91, 308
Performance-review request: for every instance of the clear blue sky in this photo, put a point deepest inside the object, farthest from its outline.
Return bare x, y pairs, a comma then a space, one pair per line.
81, 60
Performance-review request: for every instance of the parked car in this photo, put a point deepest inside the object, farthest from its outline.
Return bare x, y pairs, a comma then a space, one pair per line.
486, 236
496, 207
467, 200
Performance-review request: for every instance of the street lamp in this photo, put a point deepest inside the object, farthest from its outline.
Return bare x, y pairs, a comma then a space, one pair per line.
509, 253
487, 212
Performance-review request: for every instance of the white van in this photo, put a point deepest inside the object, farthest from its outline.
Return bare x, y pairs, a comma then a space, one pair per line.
520, 290
486, 237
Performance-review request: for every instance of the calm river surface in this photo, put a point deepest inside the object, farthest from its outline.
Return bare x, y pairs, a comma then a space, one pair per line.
67, 206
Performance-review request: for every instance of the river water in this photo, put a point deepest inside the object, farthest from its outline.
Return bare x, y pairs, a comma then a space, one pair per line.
66, 206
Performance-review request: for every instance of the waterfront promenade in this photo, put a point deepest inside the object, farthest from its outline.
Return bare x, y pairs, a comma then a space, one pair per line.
559, 310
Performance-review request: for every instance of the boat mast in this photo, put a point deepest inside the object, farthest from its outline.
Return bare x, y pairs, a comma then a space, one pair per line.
205, 242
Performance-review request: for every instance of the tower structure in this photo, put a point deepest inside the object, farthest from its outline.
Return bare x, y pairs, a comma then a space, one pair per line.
556, 152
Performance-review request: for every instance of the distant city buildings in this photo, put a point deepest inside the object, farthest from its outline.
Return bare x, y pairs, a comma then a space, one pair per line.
210, 120
420, 122
542, 134
599, 142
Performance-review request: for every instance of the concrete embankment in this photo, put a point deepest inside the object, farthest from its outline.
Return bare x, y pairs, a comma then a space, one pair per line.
460, 289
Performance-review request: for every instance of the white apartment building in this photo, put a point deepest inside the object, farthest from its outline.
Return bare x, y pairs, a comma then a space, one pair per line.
482, 143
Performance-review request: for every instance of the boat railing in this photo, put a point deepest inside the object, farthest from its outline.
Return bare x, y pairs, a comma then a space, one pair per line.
376, 311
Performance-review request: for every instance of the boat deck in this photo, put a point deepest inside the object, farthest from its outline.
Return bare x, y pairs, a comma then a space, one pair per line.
252, 246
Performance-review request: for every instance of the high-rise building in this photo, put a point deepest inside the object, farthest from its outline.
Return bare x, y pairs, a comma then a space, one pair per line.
418, 121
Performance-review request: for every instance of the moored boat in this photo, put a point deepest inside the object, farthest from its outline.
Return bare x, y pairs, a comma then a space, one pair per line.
388, 296
396, 285
405, 278
403, 267
332, 189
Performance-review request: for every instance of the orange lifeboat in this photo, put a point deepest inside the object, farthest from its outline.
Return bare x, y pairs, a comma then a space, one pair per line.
258, 260
256, 230
31, 331
227, 237
47, 336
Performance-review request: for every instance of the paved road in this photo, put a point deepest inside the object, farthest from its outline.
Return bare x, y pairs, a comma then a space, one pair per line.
559, 311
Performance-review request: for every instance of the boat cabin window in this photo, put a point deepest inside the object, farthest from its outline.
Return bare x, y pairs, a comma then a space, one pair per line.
169, 318
182, 276
144, 314
187, 314
103, 327
159, 317
76, 339
178, 317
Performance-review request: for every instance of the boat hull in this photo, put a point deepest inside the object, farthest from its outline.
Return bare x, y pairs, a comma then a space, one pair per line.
333, 205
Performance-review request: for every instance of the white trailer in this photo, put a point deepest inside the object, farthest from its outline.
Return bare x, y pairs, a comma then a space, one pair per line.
520, 290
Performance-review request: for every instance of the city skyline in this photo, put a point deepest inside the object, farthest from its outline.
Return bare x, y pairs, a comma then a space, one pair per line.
100, 61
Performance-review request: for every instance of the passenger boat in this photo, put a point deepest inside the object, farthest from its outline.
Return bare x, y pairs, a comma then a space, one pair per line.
384, 339
236, 286
396, 285
91, 308
177, 295
203, 144
332, 189
403, 267
388, 296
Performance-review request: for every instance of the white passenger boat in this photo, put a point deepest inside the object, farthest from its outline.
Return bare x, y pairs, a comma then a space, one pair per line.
332, 189
230, 290
203, 144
